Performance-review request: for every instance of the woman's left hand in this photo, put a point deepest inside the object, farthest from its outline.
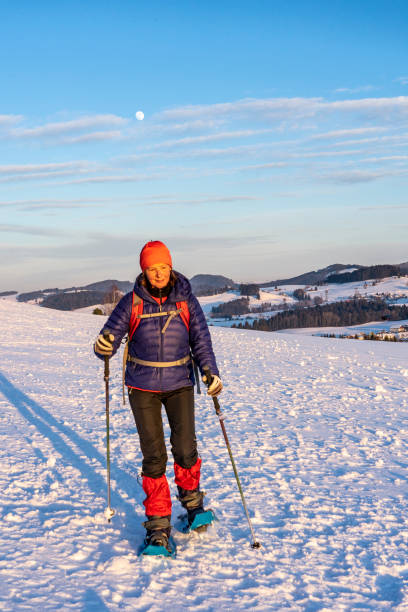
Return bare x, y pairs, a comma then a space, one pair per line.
215, 387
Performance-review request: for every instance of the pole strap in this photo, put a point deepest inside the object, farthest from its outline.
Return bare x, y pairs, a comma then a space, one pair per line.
159, 364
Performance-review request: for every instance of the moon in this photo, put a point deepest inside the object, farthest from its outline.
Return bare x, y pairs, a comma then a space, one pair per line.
139, 115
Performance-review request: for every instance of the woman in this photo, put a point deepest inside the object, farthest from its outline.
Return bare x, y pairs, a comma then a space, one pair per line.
166, 325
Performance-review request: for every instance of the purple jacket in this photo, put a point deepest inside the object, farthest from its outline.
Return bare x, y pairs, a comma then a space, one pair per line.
150, 344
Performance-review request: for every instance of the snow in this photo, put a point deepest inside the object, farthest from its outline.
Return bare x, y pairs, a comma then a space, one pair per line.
210, 301
318, 429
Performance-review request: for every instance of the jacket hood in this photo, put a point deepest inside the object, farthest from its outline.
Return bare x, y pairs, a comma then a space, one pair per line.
179, 293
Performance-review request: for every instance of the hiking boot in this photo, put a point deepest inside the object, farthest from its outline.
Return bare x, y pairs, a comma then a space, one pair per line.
158, 530
192, 501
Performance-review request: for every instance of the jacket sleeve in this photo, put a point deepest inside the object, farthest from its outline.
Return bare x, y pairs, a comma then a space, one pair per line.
118, 322
200, 339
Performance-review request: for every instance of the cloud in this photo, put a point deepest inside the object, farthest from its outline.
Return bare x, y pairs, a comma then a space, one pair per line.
288, 108
276, 107
40, 168
380, 107
119, 178
28, 172
7, 120
210, 138
185, 127
205, 200
348, 132
403, 80
385, 207
385, 158
52, 204
94, 137
360, 176
31, 230
69, 127
354, 89
396, 140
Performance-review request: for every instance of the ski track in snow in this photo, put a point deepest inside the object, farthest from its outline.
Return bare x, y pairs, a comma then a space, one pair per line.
319, 432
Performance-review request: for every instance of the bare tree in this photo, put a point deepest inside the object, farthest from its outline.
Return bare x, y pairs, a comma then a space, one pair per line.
111, 298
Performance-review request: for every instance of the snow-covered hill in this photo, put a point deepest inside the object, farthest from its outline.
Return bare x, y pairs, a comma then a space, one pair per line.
318, 428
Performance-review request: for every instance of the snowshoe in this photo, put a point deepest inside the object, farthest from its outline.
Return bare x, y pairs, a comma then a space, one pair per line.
198, 519
157, 541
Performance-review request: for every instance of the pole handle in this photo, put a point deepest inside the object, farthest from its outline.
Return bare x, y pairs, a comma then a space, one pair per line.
208, 381
208, 376
107, 335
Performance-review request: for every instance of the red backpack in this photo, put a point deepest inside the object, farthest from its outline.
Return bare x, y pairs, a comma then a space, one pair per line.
137, 314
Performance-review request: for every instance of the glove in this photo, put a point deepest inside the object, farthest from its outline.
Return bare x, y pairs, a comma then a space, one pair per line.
103, 346
215, 387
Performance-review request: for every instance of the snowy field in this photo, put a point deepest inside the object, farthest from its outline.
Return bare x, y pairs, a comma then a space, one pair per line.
319, 432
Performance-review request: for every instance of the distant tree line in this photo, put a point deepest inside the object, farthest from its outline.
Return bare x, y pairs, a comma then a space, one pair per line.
249, 289
365, 274
31, 295
229, 309
300, 294
210, 290
370, 336
349, 312
72, 301
6, 293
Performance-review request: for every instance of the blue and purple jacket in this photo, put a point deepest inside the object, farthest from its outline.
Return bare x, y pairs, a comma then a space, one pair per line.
148, 343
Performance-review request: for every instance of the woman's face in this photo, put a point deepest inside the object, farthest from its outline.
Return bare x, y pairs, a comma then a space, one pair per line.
158, 275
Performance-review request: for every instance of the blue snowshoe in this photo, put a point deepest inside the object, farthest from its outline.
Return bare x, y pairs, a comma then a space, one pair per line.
157, 541
197, 518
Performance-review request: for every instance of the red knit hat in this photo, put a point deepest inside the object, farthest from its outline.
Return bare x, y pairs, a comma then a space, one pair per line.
154, 253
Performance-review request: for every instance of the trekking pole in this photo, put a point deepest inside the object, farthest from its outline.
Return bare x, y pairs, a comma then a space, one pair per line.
208, 381
109, 512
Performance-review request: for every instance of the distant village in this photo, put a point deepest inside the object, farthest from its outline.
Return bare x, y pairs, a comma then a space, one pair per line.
398, 333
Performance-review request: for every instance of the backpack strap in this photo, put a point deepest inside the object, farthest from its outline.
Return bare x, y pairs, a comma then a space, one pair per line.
135, 318
137, 309
136, 314
185, 313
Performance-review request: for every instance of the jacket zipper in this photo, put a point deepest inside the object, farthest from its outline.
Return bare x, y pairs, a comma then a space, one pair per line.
161, 340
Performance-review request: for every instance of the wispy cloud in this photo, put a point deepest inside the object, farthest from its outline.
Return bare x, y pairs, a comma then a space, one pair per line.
334, 134
353, 90
363, 176
205, 200
211, 138
29, 172
73, 126
8, 120
288, 108
31, 230
119, 178
52, 204
403, 80
384, 207
49, 167
276, 107
94, 137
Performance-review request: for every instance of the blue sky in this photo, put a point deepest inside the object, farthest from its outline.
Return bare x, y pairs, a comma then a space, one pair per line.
274, 140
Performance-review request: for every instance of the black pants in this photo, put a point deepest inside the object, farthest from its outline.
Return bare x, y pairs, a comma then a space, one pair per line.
179, 405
